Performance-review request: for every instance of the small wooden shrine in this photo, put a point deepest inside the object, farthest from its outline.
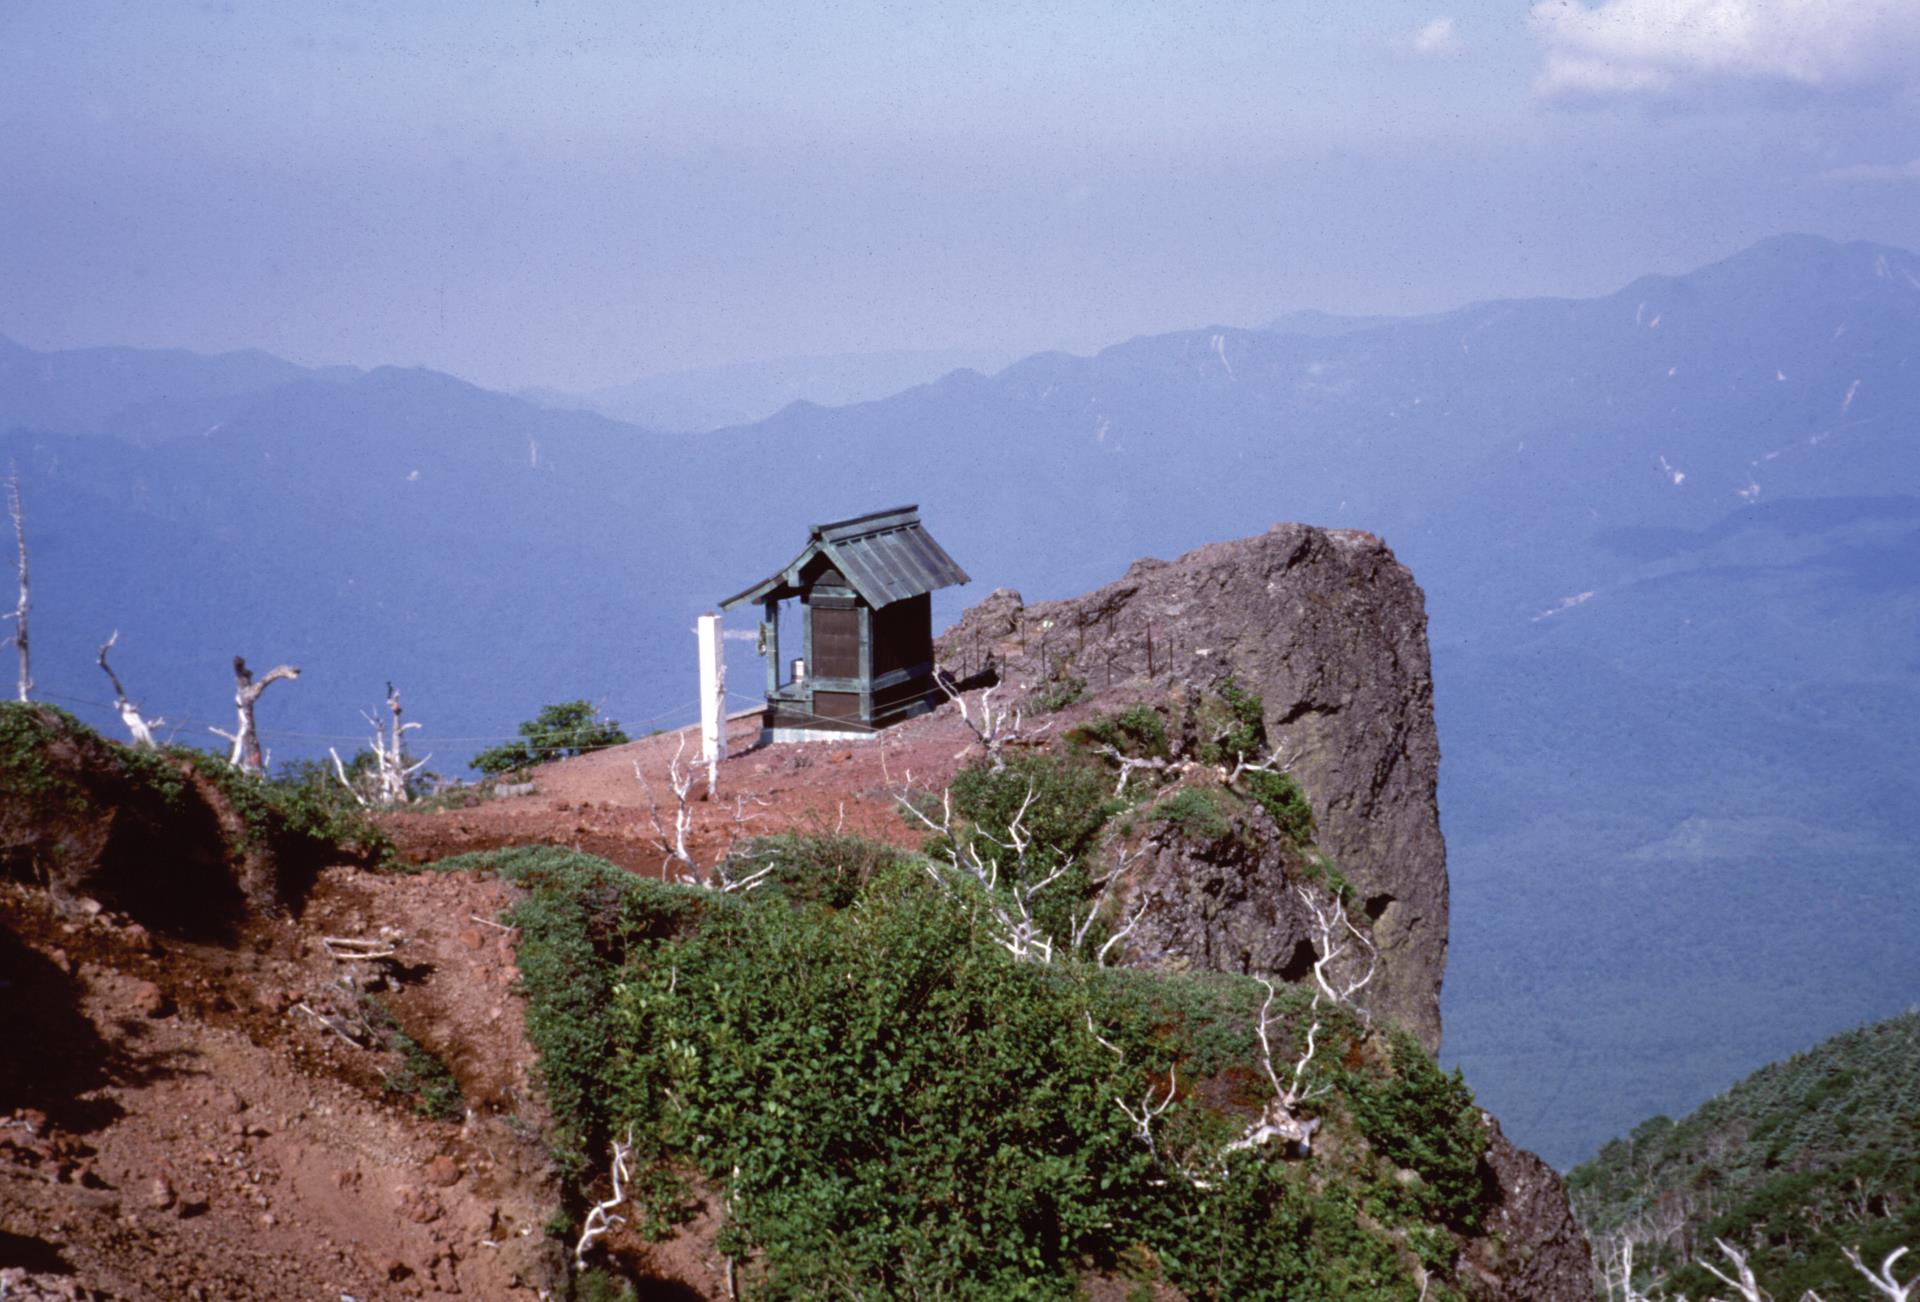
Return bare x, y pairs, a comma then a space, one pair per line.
862, 651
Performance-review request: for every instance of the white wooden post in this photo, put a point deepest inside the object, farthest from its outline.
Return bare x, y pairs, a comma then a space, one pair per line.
713, 700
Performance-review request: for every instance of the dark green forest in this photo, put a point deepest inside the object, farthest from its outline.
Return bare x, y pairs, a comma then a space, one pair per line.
1802, 1159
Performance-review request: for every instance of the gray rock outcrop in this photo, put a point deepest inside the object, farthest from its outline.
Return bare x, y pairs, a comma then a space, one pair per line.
1329, 630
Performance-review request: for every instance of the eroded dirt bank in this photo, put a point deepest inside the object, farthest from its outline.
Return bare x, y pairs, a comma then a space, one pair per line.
192, 1121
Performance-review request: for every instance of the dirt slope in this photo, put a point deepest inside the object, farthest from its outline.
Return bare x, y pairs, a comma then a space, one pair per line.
175, 1124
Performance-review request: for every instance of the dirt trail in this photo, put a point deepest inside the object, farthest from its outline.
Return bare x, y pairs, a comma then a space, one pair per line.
596, 802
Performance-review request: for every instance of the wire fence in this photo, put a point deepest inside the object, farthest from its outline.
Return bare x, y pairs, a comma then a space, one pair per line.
687, 713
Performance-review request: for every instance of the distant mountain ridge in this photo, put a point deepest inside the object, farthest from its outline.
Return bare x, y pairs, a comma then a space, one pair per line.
1667, 538
713, 397
142, 395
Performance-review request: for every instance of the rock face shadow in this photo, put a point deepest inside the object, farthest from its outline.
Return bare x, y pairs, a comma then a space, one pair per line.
58, 1078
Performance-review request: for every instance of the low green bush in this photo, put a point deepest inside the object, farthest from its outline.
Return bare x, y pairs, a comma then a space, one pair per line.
1231, 726
1069, 806
886, 1105
1197, 812
302, 818
557, 732
1281, 797
420, 1076
1136, 731
1422, 1118
826, 868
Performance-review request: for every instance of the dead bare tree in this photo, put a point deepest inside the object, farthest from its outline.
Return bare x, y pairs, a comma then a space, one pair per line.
680, 779
1148, 1111
140, 729
1742, 1280
1008, 907
247, 755
19, 615
994, 729
1083, 924
1336, 983
1128, 763
601, 1217
1883, 1280
1616, 1270
1275, 761
677, 863
391, 772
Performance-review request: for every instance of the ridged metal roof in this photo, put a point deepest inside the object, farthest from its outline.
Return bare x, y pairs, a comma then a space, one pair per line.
886, 556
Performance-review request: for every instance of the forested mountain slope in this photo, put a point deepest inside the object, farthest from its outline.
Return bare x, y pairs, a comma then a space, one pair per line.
1802, 1159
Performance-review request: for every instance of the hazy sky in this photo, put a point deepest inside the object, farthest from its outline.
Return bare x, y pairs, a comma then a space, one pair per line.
574, 194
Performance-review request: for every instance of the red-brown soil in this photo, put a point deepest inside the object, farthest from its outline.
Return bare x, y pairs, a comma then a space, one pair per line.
184, 1120
596, 802
174, 1124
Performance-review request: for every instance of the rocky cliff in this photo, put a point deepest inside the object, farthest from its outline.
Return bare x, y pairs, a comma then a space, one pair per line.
1329, 630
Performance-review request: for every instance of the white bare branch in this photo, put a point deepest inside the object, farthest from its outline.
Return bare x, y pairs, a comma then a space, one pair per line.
1883, 1280
673, 847
1129, 763
1083, 925
1742, 1280
994, 729
340, 769
360, 949
1005, 899
1276, 761
1149, 1111
247, 755
677, 863
140, 730
19, 613
601, 1217
1335, 940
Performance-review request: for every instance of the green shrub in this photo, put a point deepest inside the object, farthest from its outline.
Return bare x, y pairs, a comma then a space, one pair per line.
1070, 804
824, 868
1060, 691
1269, 1233
887, 1106
1231, 726
1423, 1119
303, 819
1281, 797
557, 732
1196, 812
1136, 731
420, 1076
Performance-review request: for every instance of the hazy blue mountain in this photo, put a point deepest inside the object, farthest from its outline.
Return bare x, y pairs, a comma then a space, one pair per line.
1670, 539
1322, 325
710, 397
142, 395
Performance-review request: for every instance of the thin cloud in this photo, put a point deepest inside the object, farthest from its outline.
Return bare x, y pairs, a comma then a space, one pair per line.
1663, 47
1437, 39
1909, 171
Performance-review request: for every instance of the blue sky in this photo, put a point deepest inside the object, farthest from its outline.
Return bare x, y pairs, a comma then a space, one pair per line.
575, 194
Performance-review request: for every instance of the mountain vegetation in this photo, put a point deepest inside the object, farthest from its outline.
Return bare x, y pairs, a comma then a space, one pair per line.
557, 732
1797, 1163
1668, 523
885, 1102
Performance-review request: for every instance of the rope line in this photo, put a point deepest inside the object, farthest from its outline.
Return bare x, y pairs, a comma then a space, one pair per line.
678, 712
